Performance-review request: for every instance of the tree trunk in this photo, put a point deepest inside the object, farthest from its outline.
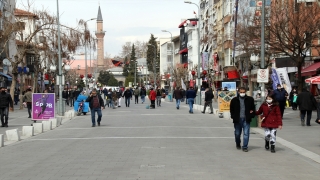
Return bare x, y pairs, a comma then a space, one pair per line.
300, 83
21, 89
249, 79
13, 85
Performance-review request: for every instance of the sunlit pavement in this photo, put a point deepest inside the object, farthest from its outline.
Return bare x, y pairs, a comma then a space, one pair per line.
163, 143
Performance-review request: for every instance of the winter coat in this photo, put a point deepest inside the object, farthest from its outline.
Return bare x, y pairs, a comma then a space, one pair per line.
191, 94
235, 109
177, 94
152, 95
136, 92
306, 101
27, 97
90, 100
127, 94
271, 115
143, 92
208, 96
280, 95
5, 100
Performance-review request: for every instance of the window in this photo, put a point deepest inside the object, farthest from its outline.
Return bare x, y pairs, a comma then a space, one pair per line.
296, 6
309, 3
319, 37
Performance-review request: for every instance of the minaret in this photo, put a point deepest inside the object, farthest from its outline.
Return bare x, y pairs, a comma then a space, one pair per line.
100, 39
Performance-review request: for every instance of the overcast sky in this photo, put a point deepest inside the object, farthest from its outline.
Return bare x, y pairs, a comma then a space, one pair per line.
124, 20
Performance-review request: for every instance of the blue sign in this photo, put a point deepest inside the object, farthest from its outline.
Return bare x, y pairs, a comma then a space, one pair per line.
232, 86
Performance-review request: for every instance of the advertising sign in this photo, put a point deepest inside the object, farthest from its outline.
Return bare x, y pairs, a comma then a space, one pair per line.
205, 60
284, 79
232, 86
224, 99
275, 78
263, 75
43, 106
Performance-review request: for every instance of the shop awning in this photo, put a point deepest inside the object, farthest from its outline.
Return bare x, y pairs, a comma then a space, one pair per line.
310, 70
6, 76
183, 51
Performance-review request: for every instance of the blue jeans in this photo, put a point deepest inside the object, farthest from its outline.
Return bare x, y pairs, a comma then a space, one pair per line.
143, 97
127, 101
190, 102
242, 124
93, 115
178, 102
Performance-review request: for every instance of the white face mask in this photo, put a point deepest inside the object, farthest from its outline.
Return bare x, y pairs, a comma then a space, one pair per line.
242, 94
269, 101
279, 88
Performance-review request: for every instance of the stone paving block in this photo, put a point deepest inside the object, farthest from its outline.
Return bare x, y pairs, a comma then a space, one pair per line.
38, 128
27, 131
13, 135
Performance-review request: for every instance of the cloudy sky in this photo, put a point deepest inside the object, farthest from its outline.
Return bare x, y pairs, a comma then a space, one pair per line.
124, 20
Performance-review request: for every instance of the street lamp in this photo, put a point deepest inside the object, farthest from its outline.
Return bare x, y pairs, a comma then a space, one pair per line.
60, 110
85, 50
172, 55
198, 69
135, 72
154, 64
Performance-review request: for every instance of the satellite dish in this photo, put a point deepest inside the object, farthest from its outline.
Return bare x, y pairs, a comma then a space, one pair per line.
6, 62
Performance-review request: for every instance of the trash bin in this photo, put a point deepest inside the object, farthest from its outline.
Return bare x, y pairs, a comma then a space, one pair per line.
170, 97
254, 122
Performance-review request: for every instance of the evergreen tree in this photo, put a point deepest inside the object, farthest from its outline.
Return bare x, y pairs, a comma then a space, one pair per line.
104, 77
129, 79
125, 67
150, 53
132, 60
113, 81
80, 84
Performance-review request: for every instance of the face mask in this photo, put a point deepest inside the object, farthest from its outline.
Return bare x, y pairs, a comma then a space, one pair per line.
242, 94
279, 88
269, 101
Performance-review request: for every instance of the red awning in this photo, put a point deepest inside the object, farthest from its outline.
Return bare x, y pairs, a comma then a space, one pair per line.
310, 70
183, 51
193, 23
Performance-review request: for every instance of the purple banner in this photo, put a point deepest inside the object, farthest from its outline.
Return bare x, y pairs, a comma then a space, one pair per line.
43, 106
275, 78
205, 60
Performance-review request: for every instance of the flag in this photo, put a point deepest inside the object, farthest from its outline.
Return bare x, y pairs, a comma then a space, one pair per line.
183, 86
117, 63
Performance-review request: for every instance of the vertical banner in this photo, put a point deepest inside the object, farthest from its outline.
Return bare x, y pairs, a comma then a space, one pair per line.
275, 78
205, 60
284, 79
183, 86
43, 106
216, 62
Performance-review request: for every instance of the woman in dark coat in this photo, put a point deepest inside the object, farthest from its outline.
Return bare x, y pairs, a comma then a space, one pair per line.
271, 121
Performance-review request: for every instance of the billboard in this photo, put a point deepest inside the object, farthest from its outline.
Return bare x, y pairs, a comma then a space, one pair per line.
43, 106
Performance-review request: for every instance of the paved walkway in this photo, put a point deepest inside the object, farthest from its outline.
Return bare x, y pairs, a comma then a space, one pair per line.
163, 143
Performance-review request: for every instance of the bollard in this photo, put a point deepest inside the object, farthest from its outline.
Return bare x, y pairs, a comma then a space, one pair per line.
1, 140
38, 128
13, 135
47, 125
27, 131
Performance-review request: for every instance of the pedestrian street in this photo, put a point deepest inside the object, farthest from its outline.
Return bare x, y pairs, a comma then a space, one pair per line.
161, 144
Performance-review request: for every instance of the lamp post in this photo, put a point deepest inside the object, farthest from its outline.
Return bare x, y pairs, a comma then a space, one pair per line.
154, 64
262, 46
60, 110
135, 72
198, 99
85, 50
172, 54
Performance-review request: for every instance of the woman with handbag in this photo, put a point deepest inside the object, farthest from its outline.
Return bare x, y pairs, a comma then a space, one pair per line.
271, 121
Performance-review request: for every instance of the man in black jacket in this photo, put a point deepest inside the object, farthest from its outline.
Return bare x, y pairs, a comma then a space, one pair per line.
96, 103
5, 102
306, 103
242, 110
143, 94
208, 100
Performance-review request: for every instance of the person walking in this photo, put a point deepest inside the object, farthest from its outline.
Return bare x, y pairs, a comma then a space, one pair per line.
65, 95
71, 97
208, 100
136, 95
6, 102
159, 96
127, 96
293, 98
306, 103
190, 95
152, 96
242, 110
119, 96
27, 98
271, 121
96, 103
280, 95
16, 96
177, 94
143, 94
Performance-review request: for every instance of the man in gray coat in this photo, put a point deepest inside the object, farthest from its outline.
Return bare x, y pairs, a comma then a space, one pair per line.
306, 103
